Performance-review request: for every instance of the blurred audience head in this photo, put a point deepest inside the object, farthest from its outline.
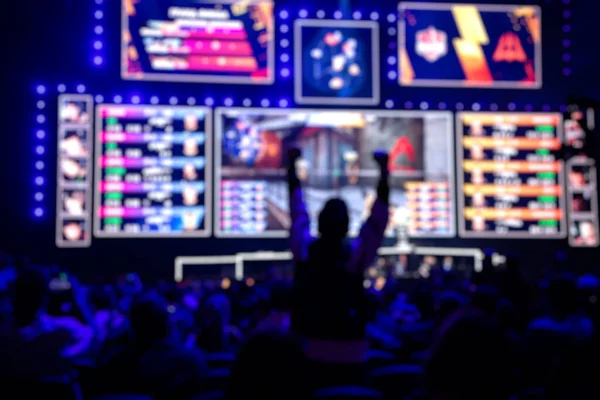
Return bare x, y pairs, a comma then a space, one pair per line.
469, 359
150, 320
30, 294
282, 373
563, 296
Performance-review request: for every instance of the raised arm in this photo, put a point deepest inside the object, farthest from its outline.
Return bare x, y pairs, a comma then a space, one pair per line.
373, 231
300, 229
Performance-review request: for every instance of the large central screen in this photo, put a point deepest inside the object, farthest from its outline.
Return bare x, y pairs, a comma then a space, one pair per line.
251, 146
223, 41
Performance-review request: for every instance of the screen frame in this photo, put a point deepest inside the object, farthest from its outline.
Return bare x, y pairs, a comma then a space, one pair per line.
200, 78
86, 186
208, 195
593, 187
220, 112
462, 232
375, 62
463, 84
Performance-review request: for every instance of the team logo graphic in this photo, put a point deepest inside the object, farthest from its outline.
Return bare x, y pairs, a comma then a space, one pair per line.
432, 44
510, 49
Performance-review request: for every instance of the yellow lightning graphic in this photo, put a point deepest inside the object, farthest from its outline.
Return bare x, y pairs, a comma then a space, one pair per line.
469, 46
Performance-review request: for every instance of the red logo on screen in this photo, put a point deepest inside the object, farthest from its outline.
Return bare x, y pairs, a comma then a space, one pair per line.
509, 49
432, 44
403, 150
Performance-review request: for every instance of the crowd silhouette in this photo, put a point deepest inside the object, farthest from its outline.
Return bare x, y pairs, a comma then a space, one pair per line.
321, 336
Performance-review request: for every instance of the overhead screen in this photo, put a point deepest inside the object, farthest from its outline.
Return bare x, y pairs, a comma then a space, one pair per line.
511, 175
223, 41
251, 197
470, 45
153, 171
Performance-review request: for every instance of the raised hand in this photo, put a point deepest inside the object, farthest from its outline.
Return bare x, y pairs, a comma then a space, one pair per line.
382, 159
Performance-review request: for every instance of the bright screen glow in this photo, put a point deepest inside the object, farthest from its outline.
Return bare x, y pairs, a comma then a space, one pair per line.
251, 145
152, 171
470, 45
198, 41
510, 175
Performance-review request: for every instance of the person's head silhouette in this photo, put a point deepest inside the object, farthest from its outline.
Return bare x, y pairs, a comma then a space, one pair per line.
334, 220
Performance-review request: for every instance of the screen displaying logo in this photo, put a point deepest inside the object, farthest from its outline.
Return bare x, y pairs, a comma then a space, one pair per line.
431, 44
509, 49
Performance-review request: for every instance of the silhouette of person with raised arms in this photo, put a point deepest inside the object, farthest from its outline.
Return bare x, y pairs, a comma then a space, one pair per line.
330, 309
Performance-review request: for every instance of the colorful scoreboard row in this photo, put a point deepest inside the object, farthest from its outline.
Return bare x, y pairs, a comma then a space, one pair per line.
335, 61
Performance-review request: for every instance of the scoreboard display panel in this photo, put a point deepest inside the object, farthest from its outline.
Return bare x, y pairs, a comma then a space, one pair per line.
222, 41
511, 177
153, 174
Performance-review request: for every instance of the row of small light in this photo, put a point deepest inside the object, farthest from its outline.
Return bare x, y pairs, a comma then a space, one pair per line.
566, 43
392, 59
338, 14
192, 101
98, 43
40, 149
459, 106
284, 44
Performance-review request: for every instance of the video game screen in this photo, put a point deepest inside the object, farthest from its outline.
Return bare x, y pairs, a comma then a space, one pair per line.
153, 171
337, 62
251, 149
511, 175
218, 41
470, 45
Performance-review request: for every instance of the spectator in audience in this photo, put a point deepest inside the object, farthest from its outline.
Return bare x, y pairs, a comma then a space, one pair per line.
278, 317
564, 318
271, 365
157, 363
216, 331
34, 344
330, 309
470, 359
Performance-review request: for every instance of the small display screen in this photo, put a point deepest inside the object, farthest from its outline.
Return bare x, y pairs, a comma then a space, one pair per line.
337, 148
216, 41
337, 62
152, 171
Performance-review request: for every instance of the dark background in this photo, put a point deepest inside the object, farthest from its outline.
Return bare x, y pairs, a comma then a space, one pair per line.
50, 42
